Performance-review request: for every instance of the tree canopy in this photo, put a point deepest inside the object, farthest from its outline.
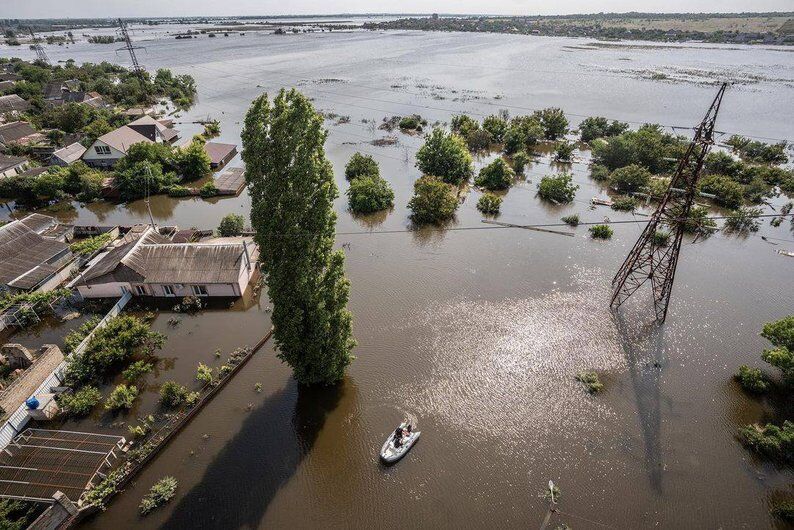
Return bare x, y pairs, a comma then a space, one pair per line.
446, 156
497, 175
433, 201
292, 190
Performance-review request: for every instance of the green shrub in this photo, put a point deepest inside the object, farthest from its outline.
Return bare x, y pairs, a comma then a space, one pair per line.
479, 140
624, 204
122, 397
136, 370
697, 222
661, 238
523, 133
231, 225
599, 172
557, 188
212, 129
369, 193
780, 333
90, 245
463, 125
445, 156
204, 373
520, 161
361, 165
572, 220
601, 232
495, 176
630, 178
208, 190
496, 126
178, 191
554, 122
564, 151
414, 122
172, 394
433, 201
192, 161
597, 127
590, 381
159, 494
728, 193
770, 441
489, 203
75, 337
80, 402
752, 379
743, 220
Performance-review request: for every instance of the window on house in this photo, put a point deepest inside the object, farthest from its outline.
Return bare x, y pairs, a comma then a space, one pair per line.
140, 290
102, 149
169, 290
199, 290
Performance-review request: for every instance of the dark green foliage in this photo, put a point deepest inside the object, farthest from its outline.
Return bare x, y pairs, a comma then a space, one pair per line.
557, 188
495, 125
181, 89
781, 358
463, 125
154, 153
489, 203
370, 193
193, 162
175, 190
770, 441
571, 220
414, 122
122, 397
564, 151
597, 127
90, 245
648, 147
70, 117
590, 381
759, 151
554, 122
697, 222
752, 379
81, 402
743, 220
479, 140
433, 201
722, 163
661, 238
624, 204
231, 225
523, 133
208, 190
599, 172
780, 333
16, 515
360, 165
212, 129
495, 176
172, 394
111, 346
445, 156
520, 160
137, 370
292, 189
728, 193
133, 183
601, 232
630, 178
75, 337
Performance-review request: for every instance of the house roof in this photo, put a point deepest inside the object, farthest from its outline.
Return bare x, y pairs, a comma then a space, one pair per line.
9, 76
34, 172
53, 90
38, 222
151, 258
7, 162
26, 257
218, 152
15, 131
122, 138
70, 153
13, 102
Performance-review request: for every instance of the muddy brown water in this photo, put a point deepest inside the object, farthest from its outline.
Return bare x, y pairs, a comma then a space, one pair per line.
476, 334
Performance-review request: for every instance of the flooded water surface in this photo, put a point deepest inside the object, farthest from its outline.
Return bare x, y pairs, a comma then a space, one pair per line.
477, 334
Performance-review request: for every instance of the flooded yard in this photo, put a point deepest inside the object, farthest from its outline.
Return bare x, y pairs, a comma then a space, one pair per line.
475, 334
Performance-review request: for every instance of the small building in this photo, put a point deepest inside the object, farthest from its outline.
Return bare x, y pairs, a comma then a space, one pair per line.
113, 146
138, 112
68, 155
220, 154
20, 133
147, 264
10, 76
11, 166
29, 260
231, 181
13, 103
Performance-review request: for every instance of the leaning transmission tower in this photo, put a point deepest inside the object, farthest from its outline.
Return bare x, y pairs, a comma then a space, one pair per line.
41, 55
129, 48
648, 260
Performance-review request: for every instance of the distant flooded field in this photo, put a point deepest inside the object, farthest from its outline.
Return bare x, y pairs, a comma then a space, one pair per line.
477, 334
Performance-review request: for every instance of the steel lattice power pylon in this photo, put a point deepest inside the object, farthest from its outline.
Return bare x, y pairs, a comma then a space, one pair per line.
41, 55
649, 260
125, 34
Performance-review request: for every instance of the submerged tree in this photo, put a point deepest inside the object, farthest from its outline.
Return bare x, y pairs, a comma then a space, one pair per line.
292, 189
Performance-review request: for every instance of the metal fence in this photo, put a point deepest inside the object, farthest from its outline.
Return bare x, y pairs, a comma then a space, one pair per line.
17, 421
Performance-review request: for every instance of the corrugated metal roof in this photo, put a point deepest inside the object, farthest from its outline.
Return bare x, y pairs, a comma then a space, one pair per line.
218, 151
11, 132
70, 153
38, 222
190, 263
22, 250
122, 138
7, 162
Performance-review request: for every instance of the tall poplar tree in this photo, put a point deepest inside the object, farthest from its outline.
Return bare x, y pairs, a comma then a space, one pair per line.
292, 188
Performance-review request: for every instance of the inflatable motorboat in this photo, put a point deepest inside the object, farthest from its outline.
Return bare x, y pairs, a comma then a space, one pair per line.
395, 449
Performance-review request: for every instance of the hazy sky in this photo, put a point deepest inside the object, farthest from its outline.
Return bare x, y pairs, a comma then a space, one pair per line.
113, 8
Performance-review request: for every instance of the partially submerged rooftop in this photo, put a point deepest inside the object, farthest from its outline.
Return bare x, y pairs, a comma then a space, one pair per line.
26, 256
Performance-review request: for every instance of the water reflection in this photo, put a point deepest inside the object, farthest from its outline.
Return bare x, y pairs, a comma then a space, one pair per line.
259, 460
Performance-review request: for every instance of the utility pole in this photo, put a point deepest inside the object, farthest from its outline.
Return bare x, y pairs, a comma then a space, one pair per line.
41, 55
136, 66
648, 260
